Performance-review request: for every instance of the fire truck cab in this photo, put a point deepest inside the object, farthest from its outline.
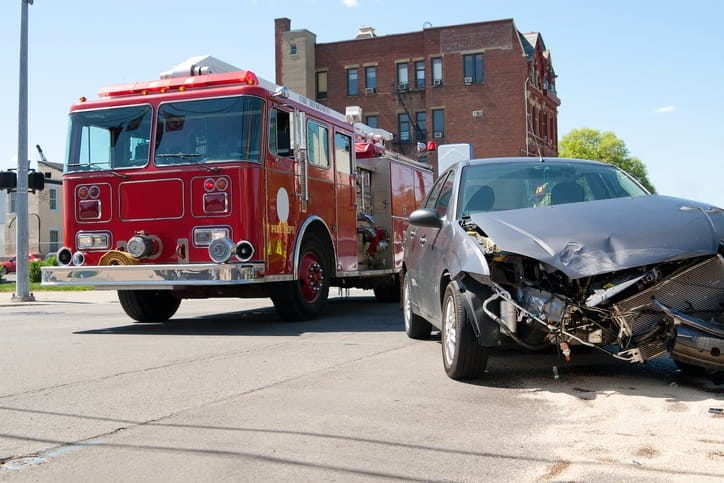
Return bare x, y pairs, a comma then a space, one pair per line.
211, 182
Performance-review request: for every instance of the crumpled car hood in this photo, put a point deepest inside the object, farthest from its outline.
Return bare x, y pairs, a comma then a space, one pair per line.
595, 237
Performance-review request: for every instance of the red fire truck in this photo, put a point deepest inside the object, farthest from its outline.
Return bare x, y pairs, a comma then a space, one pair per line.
204, 184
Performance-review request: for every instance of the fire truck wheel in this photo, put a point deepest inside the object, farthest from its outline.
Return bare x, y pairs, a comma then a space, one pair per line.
388, 290
148, 305
305, 298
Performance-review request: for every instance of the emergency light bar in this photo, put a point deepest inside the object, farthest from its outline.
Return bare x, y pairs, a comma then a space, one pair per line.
242, 77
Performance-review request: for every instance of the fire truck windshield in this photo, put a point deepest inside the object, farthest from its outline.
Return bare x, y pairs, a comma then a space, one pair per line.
187, 132
108, 139
209, 130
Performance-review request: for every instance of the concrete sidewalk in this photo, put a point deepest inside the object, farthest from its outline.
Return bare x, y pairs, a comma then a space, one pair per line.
57, 296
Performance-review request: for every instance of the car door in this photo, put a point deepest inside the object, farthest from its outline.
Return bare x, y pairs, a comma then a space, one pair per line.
424, 259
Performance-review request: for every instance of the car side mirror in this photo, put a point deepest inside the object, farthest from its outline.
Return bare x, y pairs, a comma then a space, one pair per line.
425, 217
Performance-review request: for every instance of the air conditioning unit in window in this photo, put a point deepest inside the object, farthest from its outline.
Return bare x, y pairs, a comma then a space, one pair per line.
403, 86
370, 90
468, 81
437, 83
437, 135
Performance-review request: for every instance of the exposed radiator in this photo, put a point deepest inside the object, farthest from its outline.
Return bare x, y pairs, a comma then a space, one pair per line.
696, 290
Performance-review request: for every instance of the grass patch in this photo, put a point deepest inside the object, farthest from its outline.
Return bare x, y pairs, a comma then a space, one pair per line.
9, 287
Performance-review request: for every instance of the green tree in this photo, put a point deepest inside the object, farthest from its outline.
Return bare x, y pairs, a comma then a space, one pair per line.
586, 143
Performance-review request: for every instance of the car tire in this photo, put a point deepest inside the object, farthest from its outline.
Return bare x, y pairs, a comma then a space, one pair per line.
462, 356
415, 326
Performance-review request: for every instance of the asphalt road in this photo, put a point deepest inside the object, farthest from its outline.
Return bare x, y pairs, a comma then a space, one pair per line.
228, 392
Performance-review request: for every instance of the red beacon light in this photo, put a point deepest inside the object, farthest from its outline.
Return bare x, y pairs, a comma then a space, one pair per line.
181, 84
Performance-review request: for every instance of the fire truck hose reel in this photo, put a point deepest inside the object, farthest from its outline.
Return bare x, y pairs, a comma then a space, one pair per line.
116, 257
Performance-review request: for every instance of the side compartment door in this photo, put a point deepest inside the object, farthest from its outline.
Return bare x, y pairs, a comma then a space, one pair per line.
346, 229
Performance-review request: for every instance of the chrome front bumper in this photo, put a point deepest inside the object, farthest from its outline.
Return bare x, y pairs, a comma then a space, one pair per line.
162, 277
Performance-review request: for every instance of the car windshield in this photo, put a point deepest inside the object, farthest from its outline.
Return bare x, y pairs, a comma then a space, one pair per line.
515, 185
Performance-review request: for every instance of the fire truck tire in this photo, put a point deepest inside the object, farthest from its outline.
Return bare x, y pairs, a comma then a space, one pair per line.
388, 290
149, 305
304, 299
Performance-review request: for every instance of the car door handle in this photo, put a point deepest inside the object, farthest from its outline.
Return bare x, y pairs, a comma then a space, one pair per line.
412, 233
423, 240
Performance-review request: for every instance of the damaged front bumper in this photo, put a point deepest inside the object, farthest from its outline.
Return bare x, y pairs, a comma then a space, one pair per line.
698, 342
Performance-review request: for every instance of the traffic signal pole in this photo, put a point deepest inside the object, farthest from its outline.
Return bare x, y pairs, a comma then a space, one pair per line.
22, 285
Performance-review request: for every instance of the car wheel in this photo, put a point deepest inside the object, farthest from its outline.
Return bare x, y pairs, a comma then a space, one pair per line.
462, 356
415, 326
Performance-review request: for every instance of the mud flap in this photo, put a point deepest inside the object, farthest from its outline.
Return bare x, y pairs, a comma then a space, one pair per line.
474, 294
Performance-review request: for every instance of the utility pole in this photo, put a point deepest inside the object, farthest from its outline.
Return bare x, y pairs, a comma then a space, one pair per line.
22, 285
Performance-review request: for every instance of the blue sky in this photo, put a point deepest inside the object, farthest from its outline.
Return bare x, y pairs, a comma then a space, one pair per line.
650, 71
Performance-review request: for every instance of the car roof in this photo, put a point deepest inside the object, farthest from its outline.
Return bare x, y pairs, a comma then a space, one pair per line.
529, 159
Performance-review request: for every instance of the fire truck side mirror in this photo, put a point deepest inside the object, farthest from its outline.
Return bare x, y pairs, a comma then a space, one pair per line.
8, 180
36, 181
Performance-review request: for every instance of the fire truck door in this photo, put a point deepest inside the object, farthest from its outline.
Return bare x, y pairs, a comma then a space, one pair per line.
282, 193
345, 202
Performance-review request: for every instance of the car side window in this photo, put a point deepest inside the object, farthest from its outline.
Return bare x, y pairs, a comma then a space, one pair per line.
441, 193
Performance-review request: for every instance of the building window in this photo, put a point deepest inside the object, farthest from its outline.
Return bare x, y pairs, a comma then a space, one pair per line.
13, 202
53, 199
473, 68
436, 64
322, 85
371, 121
293, 49
352, 82
421, 126
403, 79
438, 123
403, 127
370, 79
420, 74
54, 245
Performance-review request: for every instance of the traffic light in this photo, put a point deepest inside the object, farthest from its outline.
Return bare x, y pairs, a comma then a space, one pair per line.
36, 181
8, 180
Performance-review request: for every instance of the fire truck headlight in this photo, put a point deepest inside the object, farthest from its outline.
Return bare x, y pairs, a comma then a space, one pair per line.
221, 249
204, 235
92, 241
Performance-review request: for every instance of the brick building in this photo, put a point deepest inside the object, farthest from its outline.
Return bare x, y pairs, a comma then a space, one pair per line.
483, 83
